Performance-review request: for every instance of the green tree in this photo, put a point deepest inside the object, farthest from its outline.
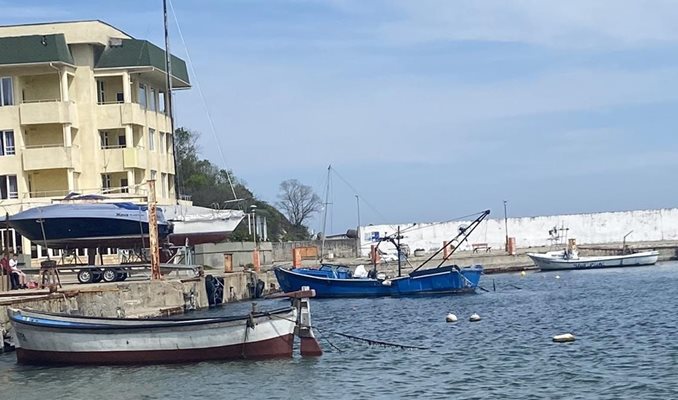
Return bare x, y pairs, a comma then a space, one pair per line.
208, 185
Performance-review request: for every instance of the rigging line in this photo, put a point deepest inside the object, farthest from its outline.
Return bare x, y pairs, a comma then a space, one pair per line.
204, 102
429, 224
362, 198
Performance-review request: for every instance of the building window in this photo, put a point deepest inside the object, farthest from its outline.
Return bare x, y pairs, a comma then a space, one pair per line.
161, 143
6, 91
142, 95
162, 105
120, 97
153, 105
105, 144
124, 185
153, 174
7, 147
163, 183
151, 139
101, 93
169, 143
106, 183
8, 187
122, 141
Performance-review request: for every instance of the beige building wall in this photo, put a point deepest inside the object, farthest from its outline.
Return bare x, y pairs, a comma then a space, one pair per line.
66, 140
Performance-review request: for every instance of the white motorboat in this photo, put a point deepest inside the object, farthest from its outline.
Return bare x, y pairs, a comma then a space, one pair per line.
197, 225
558, 260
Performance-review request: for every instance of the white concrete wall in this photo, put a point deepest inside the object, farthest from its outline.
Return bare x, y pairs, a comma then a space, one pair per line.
608, 227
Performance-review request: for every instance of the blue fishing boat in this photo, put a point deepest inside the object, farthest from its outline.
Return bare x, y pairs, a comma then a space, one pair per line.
337, 280
81, 225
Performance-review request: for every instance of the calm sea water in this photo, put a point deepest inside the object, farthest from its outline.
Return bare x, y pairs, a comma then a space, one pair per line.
625, 320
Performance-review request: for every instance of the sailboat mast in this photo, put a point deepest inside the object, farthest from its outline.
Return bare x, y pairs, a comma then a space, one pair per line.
327, 197
170, 104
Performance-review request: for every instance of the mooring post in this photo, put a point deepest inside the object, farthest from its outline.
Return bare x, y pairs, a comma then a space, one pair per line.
153, 231
309, 345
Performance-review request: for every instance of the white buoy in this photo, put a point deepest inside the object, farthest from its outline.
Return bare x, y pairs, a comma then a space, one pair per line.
451, 318
557, 276
474, 317
522, 273
564, 338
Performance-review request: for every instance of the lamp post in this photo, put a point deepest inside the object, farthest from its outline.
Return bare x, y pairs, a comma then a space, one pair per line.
255, 253
506, 243
357, 242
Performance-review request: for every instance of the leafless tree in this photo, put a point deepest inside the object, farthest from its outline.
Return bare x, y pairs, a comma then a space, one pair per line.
298, 201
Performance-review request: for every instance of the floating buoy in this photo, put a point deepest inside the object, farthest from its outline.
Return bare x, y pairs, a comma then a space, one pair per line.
564, 338
522, 273
451, 318
474, 317
557, 276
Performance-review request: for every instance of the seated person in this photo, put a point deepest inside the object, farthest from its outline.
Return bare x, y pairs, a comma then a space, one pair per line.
18, 277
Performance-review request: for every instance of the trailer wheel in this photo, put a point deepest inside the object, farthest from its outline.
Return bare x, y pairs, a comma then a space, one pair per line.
97, 275
110, 275
120, 274
85, 276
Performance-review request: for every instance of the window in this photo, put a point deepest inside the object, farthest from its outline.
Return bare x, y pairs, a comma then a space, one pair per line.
162, 106
120, 97
162, 142
142, 95
169, 143
153, 105
8, 187
163, 184
101, 97
106, 183
6, 91
104, 139
7, 143
122, 141
151, 139
124, 183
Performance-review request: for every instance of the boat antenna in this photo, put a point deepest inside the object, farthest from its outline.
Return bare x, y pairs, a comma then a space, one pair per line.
327, 196
464, 233
170, 103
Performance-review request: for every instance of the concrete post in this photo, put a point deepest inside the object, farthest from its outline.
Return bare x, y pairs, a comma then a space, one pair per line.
255, 260
228, 262
63, 77
67, 135
126, 88
296, 257
374, 254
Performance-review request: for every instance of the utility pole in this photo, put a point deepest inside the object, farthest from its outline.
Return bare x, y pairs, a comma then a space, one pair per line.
357, 242
506, 243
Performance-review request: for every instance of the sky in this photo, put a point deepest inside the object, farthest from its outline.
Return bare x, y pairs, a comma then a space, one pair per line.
427, 110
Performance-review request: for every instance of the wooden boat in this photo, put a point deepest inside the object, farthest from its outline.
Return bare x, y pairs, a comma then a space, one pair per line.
46, 338
559, 260
337, 281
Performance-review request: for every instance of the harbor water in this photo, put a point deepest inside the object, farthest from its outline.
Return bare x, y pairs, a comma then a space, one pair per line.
624, 320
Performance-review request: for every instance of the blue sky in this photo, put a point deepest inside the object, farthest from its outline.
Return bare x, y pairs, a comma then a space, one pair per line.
429, 109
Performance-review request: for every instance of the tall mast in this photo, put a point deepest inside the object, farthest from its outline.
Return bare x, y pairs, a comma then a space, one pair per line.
327, 197
170, 109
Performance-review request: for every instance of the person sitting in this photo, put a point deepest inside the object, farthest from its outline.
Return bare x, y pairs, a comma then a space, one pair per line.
18, 277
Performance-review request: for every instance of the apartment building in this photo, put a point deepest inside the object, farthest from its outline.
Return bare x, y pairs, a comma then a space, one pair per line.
83, 108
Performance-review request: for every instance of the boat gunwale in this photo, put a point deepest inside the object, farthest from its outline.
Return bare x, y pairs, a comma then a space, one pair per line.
161, 323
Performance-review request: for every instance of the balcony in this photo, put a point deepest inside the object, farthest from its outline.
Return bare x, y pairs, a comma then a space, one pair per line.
134, 157
48, 112
50, 157
113, 115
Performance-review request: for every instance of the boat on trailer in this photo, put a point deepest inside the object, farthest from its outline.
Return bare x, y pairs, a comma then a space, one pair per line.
91, 224
48, 338
337, 280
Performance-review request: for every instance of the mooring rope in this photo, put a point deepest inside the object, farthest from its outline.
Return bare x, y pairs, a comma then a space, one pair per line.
371, 342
